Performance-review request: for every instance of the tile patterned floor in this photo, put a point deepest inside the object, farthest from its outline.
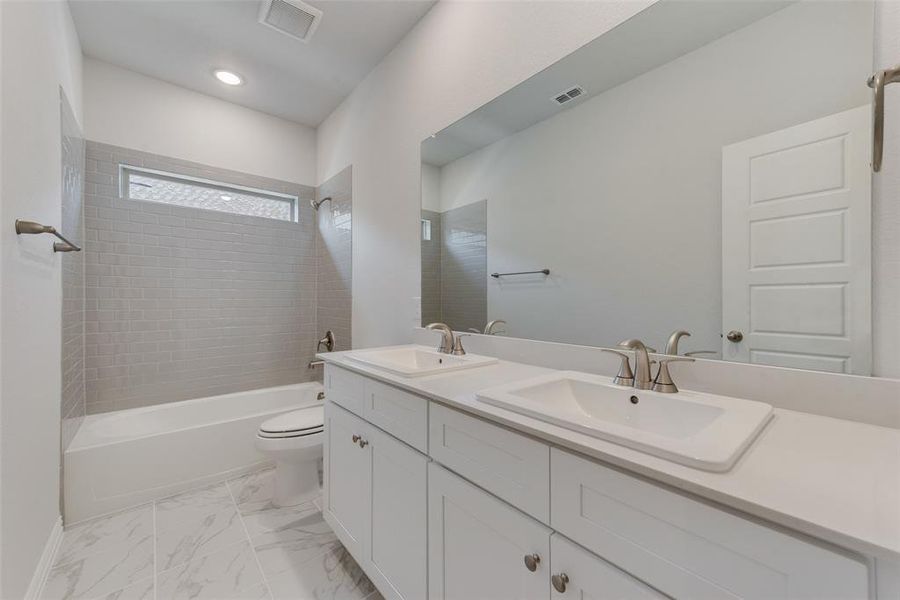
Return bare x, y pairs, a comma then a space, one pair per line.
226, 541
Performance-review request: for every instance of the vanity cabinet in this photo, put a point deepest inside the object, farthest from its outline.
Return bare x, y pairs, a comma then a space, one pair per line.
348, 473
375, 500
478, 544
576, 573
491, 513
687, 548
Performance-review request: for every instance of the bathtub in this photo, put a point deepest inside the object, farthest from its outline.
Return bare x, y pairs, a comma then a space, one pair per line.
128, 457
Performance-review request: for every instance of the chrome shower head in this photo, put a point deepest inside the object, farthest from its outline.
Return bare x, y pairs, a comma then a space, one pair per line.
317, 203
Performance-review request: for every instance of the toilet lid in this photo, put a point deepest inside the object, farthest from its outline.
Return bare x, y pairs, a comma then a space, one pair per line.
305, 421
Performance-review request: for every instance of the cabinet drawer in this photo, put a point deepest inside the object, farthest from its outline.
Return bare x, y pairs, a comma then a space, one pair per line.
345, 388
689, 549
403, 415
514, 467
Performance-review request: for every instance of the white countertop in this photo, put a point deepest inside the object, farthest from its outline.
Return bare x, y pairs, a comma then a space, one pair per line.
832, 479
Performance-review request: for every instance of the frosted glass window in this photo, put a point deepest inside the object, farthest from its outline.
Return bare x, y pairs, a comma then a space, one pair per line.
169, 188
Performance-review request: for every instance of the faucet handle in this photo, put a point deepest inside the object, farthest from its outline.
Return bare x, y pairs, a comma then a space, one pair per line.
458, 349
625, 376
663, 382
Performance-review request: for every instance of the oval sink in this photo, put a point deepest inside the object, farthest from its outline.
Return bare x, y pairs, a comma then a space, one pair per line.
699, 430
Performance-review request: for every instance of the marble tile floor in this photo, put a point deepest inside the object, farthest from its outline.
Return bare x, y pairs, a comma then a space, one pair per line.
227, 541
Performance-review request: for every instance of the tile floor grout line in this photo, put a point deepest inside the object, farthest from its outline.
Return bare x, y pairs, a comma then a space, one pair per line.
250, 541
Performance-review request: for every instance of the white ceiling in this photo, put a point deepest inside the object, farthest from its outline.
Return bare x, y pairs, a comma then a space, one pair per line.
182, 41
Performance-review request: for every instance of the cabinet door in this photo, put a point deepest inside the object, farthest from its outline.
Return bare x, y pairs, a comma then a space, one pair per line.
478, 544
348, 470
581, 574
399, 540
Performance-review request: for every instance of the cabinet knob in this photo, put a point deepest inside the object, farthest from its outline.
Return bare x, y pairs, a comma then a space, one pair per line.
532, 561
363, 443
356, 439
559, 582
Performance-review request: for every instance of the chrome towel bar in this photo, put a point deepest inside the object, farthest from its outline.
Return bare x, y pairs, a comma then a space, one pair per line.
31, 227
498, 275
877, 83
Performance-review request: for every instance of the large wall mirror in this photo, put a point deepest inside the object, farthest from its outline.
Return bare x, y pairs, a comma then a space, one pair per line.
705, 167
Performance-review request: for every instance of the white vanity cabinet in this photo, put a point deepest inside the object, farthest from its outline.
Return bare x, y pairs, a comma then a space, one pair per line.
492, 514
576, 573
348, 473
477, 544
375, 498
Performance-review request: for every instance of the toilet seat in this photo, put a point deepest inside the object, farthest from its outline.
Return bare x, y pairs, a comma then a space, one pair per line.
299, 423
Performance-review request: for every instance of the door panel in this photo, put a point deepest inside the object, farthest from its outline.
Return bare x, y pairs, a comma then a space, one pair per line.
590, 577
796, 255
347, 478
477, 544
399, 541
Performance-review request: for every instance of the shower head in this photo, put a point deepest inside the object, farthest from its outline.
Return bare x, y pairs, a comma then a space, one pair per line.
317, 203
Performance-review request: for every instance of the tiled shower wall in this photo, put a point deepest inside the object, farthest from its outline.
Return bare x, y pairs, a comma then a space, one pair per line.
185, 303
334, 252
464, 266
72, 407
431, 270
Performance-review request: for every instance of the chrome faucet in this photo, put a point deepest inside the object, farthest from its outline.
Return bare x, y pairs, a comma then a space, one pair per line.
489, 328
672, 344
447, 339
642, 379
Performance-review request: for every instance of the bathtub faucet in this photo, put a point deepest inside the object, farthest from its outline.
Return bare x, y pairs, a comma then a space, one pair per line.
328, 342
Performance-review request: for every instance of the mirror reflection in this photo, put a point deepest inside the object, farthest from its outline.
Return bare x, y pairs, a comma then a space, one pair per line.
704, 168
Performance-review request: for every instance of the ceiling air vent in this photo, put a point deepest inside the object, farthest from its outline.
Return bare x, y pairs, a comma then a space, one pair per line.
291, 17
570, 94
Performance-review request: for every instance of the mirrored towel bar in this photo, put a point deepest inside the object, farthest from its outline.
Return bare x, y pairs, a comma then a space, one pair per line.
31, 227
498, 275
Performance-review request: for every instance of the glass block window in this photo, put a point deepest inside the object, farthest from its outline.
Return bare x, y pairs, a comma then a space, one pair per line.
180, 190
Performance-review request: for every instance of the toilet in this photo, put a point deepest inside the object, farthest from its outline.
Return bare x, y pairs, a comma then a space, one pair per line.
294, 441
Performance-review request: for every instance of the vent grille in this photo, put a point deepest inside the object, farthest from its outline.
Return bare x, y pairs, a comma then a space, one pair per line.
570, 94
290, 17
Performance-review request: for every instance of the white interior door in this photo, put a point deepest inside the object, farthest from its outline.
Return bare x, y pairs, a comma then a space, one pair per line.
796, 254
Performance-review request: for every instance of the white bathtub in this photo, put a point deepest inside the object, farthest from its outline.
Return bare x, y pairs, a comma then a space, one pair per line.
128, 457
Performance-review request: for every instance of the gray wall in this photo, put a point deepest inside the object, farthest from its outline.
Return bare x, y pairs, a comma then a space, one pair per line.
464, 266
333, 253
185, 303
431, 270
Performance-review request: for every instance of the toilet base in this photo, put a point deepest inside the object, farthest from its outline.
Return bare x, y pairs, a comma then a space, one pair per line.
296, 482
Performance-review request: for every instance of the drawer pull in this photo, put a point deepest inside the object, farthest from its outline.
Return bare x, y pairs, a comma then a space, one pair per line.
559, 582
363, 443
532, 561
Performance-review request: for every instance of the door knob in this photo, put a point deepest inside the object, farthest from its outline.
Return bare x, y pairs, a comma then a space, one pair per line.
532, 561
356, 439
735, 336
559, 582
363, 443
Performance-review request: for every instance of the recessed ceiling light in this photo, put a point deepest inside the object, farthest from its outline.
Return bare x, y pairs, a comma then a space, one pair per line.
228, 77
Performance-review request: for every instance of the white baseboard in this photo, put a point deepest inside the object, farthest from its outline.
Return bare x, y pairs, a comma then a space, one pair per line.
36, 587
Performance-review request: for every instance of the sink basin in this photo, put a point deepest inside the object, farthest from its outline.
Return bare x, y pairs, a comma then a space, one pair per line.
703, 431
418, 361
